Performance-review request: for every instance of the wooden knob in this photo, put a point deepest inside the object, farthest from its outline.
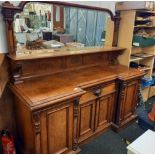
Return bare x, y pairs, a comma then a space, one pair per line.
97, 92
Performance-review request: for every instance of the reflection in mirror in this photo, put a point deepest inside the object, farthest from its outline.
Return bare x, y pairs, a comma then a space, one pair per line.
46, 26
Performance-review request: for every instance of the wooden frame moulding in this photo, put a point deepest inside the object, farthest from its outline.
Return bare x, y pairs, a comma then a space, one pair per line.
9, 10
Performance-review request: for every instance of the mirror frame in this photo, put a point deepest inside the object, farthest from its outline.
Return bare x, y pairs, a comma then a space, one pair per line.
9, 10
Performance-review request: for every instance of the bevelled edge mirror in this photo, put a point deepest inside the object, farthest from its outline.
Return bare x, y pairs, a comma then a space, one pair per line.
34, 26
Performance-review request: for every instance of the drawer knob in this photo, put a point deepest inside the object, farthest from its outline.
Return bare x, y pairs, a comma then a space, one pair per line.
97, 92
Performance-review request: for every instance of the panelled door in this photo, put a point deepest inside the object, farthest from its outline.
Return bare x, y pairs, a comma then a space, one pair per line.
104, 112
129, 101
86, 120
57, 130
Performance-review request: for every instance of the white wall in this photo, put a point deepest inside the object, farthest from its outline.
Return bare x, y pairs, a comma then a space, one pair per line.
3, 43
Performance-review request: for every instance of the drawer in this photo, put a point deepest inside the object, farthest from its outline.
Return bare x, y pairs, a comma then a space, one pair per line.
108, 89
89, 96
95, 92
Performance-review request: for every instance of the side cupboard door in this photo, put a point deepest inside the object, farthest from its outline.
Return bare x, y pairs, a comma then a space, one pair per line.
129, 101
56, 130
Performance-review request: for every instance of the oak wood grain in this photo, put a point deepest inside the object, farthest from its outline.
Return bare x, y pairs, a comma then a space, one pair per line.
50, 53
38, 92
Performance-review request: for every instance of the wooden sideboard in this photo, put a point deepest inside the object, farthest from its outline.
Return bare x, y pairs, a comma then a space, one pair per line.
62, 100
65, 97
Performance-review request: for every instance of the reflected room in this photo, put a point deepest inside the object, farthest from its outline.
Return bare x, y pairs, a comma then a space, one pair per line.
44, 28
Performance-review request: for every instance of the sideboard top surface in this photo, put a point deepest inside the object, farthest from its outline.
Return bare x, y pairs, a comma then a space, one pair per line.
41, 91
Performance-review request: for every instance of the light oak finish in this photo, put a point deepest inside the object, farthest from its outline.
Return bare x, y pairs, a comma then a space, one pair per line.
62, 99
23, 68
125, 37
127, 102
81, 103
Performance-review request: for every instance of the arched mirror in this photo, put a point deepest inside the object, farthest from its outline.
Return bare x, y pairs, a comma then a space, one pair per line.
42, 27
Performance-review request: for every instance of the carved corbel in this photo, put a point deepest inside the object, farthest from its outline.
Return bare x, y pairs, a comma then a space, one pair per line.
123, 86
8, 11
36, 121
16, 69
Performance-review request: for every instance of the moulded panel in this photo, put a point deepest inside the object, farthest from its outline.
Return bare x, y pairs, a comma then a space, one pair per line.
59, 126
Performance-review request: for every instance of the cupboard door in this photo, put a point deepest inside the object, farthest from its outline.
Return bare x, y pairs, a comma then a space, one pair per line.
129, 101
86, 120
104, 112
57, 130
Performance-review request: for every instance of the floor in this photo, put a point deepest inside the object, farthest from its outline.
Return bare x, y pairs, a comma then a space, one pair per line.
111, 142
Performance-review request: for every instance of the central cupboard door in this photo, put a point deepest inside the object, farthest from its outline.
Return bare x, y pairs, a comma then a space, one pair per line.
104, 112
86, 120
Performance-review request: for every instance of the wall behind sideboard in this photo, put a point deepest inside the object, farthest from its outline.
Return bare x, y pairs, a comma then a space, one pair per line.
3, 43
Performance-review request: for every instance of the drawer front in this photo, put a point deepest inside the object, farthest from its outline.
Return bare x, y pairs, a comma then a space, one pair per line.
108, 89
95, 92
89, 96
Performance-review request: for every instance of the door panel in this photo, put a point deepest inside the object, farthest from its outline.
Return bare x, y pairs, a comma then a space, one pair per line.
86, 120
104, 111
129, 103
59, 129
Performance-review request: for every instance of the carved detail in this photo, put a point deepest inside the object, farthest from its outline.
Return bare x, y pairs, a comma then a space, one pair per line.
116, 28
76, 109
17, 72
112, 58
140, 99
122, 95
8, 11
123, 86
36, 120
75, 135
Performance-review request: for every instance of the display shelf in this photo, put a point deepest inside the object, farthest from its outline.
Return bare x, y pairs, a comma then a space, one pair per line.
144, 26
133, 58
145, 69
136, 58
127, 30
145, 13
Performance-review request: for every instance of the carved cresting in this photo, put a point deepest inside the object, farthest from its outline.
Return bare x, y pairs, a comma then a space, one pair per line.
8, 11
76, 114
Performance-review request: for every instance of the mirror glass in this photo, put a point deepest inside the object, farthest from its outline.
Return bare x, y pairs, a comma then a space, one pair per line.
53, 27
